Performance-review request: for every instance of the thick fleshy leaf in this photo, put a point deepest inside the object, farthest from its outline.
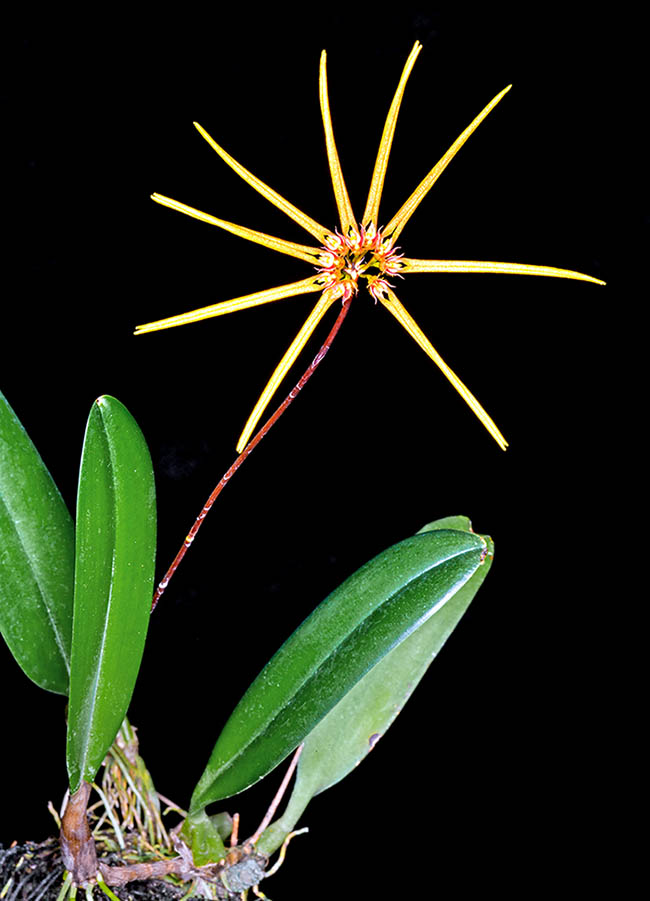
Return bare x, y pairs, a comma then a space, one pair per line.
351, 729
115, 545
349, 633
36, 560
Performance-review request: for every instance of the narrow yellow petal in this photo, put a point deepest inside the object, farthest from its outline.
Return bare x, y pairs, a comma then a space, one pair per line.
377, 183
302, 251
313, 283
285, 364
496, 268
400, 219
338, 183
310, 225
393, 305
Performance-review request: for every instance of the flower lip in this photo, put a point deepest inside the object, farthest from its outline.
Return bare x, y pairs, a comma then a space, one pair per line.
362, 253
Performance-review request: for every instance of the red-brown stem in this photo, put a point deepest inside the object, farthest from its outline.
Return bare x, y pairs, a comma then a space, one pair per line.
252, 444
77, 844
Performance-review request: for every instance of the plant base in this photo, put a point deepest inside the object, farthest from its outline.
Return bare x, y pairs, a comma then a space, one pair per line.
35, 871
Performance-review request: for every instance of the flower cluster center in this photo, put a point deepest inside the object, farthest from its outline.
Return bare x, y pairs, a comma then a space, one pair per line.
362, 253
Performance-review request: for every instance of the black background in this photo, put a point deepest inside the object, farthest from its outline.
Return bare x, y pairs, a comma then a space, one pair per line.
489, 777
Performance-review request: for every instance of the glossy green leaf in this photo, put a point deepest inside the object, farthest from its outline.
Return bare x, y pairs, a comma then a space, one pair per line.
351, 729
371, 613
36, 560
115, 545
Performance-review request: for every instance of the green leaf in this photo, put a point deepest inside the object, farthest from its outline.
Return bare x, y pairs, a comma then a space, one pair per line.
371, 613
115, 545
36, 560
351, 729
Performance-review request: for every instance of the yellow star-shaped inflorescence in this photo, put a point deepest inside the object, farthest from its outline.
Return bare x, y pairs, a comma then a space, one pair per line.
357, 250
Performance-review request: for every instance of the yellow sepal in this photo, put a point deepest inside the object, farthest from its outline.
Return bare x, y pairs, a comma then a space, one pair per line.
381, 163
343, 204
301, 251
285, 364
313, 283
404, 318
405, 212
314, 228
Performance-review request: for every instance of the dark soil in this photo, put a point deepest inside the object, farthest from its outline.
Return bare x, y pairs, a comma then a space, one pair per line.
34, 872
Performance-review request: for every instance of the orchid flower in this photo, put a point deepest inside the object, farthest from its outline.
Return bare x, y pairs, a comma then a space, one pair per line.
356, 251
